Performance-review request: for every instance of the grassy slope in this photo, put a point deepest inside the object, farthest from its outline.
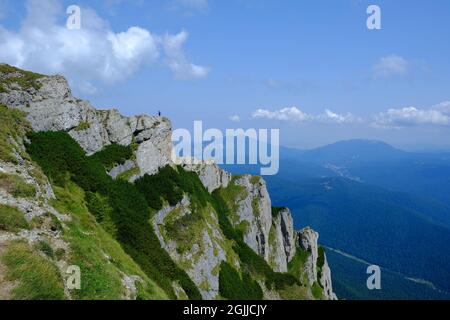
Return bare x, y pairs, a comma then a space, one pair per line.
100, 257
38, 278
32, 269
59, 155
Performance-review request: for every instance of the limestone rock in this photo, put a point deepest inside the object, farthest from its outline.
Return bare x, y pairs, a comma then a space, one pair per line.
53, 108
326, 282
277, 253
270, 236
201, 252
287, 230
255, 211
127, 166
307, 240
209, 173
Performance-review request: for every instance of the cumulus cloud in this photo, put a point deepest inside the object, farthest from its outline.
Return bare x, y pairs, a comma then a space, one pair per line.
93, 53
390, 66
235, 118
177, 61
332, 117
438, 115
285, 114
294, 114
443, 107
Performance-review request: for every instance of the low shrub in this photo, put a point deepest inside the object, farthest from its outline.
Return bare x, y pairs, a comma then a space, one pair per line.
276, 211
61, 158
45, 248
320, 261
233, 287
113, 155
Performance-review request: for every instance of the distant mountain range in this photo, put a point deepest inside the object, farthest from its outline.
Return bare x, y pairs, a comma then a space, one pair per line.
377, 203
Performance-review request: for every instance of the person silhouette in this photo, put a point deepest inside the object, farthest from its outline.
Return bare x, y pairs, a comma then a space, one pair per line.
159, 113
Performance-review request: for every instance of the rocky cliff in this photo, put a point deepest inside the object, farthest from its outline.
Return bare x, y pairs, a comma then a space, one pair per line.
205, 229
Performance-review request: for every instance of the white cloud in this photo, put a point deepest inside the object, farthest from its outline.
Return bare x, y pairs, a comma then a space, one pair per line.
390, 66
286, 114
443, 107
235, 118
176, 58
407, 117
332, 117
294, 114
93, 53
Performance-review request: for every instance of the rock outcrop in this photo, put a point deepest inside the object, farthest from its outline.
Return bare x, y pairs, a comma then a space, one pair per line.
52, 107
307, 240
209, 173
254, 213
268, 231
316, 271
192, 236
196, 244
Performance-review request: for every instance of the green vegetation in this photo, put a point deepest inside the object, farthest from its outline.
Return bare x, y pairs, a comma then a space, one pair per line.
84, 125
100, 257
296, 265
128, 174
255, 207
186, 230
13, 125
45, 248
113, 155
252, 263
233, 287
25, 79
169, 185
60, 254
320, 261
38, 278
255, 179
61, 157
16, 185
47, 219
11, 219
317, 291
99, 206
232, 195
295, 292
276, 211
166, 185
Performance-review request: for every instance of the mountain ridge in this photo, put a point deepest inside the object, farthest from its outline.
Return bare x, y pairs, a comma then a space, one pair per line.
157, 229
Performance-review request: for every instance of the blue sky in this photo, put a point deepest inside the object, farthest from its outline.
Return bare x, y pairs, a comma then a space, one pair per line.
310, 68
